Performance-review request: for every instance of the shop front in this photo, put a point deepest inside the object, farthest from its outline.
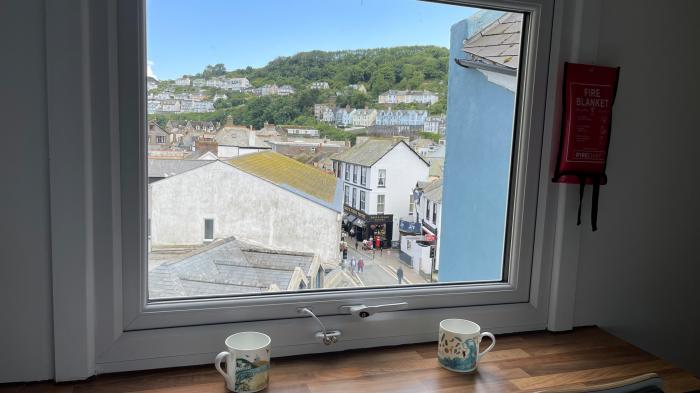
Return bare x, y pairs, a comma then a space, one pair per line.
377, 228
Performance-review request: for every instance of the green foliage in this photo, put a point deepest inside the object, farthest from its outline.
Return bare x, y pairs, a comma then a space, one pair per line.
429, 135
212, 71
379, 70
162, 118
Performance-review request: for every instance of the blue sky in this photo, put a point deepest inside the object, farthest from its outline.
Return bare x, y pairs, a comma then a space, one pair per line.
186, 35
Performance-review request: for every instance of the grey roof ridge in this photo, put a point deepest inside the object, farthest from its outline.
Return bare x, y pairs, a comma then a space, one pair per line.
265, 267
198, 251
206, 162
238, 284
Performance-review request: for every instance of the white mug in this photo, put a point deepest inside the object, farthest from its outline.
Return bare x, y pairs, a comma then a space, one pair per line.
458, 345
247, 362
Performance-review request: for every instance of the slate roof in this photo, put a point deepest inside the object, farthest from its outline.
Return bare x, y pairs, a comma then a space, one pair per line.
236, 136
370, 151
433, 190
225, 267
292, 175
499, 42
167, 168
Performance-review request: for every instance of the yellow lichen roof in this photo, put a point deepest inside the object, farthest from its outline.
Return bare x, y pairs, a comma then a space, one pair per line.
285, 171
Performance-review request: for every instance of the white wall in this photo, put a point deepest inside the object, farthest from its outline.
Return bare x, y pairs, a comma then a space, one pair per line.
403, 170
638, 273
26, 334
241, 205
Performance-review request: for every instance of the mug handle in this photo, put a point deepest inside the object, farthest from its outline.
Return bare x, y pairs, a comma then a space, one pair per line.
217, 363
490, 347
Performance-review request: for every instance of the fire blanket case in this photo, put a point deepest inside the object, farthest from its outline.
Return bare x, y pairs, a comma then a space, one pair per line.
589, 92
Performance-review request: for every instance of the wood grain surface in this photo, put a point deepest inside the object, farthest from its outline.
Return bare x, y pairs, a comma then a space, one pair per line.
519, 363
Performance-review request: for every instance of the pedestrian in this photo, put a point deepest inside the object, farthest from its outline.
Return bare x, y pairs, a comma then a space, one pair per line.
361, 265
399, 274
355, 244
353, 263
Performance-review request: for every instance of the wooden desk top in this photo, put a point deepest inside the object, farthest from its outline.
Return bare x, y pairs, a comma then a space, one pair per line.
519, 362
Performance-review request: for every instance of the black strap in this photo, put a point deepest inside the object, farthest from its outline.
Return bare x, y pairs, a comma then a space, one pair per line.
582, 185
594, 204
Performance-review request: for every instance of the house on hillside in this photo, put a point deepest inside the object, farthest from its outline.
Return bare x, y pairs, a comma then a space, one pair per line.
359, 87
434, 124
184, 81
343, 117
231, 266
199, 82
412, 118
285, 90
378, 178
264, 198
408, 97
364, 117
319, 86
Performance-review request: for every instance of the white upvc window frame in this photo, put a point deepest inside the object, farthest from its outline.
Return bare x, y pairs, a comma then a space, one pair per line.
113, 327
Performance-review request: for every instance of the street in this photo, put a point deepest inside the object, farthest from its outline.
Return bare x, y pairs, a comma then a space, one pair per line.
380, 270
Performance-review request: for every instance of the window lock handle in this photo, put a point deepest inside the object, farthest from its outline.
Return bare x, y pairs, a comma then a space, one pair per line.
364, 311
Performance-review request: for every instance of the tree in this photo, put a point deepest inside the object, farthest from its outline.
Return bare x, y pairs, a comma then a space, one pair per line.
214, 70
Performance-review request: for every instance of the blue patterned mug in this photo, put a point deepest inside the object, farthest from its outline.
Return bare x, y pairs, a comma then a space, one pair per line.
247, 362
458, 345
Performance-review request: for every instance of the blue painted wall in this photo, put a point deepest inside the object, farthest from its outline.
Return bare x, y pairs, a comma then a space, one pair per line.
477, 166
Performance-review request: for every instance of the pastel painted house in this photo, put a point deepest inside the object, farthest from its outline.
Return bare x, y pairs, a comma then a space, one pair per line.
480, 109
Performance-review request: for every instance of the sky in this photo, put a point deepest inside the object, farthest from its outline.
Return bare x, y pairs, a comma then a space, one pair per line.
183, 36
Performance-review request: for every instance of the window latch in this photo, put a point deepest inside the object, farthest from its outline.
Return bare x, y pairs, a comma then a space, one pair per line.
363, 311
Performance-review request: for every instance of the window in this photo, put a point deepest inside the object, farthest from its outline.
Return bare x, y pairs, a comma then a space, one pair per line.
434, 213
504, 234
354, 197
380, 204
362, 200
427, 210
160, 139
347, 195
208, 229
381, 178
411, 204
354, 173
347, 171
363, 176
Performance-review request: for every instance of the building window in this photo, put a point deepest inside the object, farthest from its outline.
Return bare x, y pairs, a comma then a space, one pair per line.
362, 200
347, 195
354, 197
347, 171
427, 209
380, 204
434, 213
411, 204
355, 169
363, 176
208, 229
160, 139
381, 178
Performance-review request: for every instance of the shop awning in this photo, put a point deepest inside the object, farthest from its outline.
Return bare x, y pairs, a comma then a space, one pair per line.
349, 218
359, 223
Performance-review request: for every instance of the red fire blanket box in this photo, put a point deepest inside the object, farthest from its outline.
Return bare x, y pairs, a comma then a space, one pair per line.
588, 95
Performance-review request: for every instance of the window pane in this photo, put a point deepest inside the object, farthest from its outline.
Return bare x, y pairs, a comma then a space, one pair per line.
255, 161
